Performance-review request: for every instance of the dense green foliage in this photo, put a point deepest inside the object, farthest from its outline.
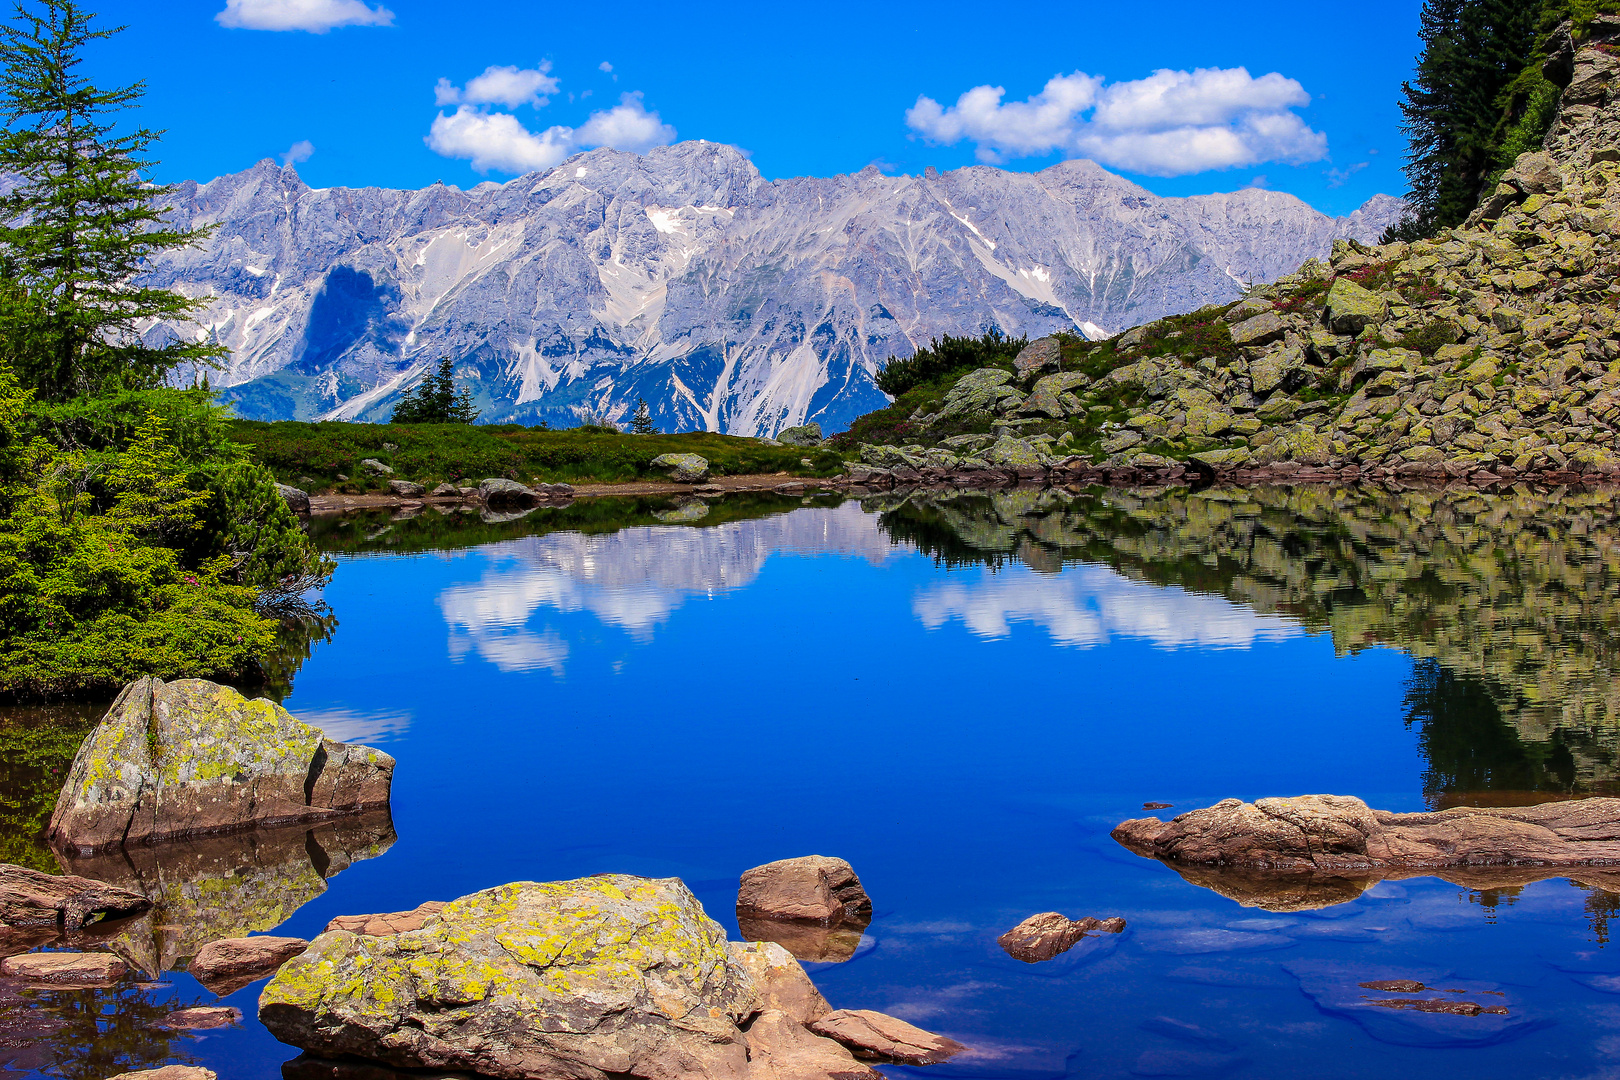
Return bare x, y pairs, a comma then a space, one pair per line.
82, 220
945, 359
36, 750
316, 455
1478, 99
435, 400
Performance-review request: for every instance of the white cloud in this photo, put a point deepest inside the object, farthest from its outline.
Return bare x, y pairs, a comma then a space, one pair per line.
626, 126
316, 16
604, 66
302, 150
1171, 123
500, 142
509, 86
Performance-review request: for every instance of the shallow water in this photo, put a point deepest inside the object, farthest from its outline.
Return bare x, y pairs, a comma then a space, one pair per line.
960, 694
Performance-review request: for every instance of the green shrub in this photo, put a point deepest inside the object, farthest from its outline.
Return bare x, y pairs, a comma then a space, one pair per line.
948, 358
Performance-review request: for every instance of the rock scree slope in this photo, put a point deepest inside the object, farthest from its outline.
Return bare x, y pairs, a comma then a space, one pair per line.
1490, 351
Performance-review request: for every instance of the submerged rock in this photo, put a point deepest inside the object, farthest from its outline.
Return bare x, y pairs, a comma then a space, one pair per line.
1341, 833
192, 757
31, 898
682, 468
612, 975
1041, 937
881, 1037
224, 967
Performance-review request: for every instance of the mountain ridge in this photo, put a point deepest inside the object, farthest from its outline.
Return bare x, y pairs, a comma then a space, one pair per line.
727, 301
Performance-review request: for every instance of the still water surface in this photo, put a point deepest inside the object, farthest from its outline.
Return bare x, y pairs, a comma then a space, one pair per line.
960, 694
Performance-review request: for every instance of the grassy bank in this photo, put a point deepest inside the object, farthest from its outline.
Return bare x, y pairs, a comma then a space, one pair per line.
314, 456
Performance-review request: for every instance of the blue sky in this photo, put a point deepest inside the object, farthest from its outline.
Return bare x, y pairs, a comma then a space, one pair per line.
1182, 98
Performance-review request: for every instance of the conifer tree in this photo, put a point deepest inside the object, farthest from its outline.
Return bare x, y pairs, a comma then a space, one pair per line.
435, 400
1472, 52
82, 220
641, 421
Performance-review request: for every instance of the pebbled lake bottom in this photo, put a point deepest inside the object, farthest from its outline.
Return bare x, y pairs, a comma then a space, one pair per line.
960, 693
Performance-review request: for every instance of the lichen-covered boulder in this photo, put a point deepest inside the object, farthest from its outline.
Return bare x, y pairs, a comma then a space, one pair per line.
1351, 309
611, 975
1039, 355
1009, 451
780, 980
982, 391
803, 435
191, 757
682, 468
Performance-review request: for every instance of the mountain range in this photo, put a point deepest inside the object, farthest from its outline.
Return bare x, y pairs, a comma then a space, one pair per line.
684, 278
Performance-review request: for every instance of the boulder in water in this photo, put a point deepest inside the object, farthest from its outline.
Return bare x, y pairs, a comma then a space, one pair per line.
191, 757
1041, 937
881, 1037
612, 975
226, 966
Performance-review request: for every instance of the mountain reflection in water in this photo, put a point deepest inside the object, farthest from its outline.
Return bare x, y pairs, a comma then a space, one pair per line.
1508, 603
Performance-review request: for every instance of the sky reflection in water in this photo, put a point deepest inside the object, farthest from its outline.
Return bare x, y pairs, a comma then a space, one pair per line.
962, 698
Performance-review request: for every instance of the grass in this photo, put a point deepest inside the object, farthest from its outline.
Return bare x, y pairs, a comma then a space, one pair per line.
315, 455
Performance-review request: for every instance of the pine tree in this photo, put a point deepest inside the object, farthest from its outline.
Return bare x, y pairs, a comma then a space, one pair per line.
1472, 51
641, 422
435, 400
81, 222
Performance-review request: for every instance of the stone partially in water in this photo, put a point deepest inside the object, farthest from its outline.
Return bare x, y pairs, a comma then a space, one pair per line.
612, 975
881, 1037
812, 888
31, 898
202, 1018
1041, 937
224, 967
170, 1072
65, 968
192, 757
1326, 833
499, 491
779, 1048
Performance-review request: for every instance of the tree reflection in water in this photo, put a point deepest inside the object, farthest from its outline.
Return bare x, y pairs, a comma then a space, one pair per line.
86, 1034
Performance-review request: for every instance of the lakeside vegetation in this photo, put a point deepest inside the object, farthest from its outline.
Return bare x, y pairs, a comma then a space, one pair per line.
327, 456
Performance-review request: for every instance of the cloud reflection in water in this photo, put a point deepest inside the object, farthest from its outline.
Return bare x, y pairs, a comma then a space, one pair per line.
1086, 606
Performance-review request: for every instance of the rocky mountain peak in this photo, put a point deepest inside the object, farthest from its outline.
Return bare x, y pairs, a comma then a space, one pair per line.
683, 277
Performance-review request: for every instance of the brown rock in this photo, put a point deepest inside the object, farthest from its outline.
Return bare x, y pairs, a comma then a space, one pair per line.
65, 968
781, 982
169, 1072
201, 1018
1394, 986
880, 1037
812, 889
1339, 833
1441, 1005
226, 966
191, 757
30, 898
779, 1048
394, 922
1041, 937
1039, 355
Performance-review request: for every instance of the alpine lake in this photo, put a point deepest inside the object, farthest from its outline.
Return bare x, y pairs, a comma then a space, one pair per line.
960, 693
